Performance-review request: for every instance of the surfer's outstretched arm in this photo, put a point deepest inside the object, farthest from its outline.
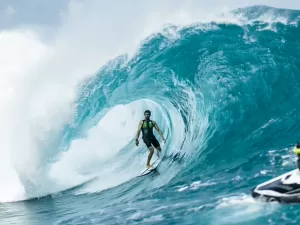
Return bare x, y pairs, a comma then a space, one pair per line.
138, 133
159, 131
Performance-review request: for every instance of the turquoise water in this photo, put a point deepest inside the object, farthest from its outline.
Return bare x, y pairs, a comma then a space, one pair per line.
226, 96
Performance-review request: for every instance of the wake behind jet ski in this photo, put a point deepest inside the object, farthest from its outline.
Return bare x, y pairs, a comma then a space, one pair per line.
284, 188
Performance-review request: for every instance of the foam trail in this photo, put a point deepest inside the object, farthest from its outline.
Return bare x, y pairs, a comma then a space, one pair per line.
244, 209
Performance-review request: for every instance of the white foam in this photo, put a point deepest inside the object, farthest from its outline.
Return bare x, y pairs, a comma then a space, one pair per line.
20, 50
241, 208
136, 215
236, 200
155, 218
183, 188
196, 185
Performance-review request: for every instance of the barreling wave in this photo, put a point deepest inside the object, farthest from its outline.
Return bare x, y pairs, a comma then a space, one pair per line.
224, 93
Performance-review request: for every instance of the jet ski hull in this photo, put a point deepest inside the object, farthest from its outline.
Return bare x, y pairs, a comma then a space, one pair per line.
282, 189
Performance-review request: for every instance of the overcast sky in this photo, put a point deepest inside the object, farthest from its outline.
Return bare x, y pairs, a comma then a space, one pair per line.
17, 12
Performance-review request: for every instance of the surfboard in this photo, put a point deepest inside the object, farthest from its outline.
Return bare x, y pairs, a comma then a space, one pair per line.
154, 165
147, 171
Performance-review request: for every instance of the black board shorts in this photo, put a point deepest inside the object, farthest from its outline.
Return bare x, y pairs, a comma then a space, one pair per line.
153, 141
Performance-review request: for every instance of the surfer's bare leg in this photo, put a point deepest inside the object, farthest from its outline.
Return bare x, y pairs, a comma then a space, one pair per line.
151, 150
159, 150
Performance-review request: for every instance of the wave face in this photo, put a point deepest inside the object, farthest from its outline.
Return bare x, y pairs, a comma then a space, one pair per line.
226, 97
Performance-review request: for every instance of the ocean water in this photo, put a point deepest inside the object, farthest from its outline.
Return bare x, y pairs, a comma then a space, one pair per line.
224, 92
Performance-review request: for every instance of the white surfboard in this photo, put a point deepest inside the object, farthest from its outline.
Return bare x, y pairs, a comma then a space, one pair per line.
154, 165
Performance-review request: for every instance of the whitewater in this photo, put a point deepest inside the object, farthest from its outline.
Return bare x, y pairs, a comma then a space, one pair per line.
221, 80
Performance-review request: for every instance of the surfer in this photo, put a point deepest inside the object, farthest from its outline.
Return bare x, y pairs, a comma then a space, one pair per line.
149, 139
296, 150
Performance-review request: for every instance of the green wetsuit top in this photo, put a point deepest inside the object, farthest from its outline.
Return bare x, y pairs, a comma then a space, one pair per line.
147, 129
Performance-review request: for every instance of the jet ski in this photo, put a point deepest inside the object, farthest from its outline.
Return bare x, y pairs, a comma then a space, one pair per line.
282, 189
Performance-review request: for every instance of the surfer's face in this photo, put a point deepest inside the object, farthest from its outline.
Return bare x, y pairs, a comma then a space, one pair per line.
147, 116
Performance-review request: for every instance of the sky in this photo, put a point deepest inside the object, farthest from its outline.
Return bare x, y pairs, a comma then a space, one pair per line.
14, 13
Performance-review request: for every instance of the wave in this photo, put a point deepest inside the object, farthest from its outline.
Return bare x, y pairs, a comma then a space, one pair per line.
214, 89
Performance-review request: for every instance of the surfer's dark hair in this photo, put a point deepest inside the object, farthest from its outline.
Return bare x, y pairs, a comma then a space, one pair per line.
147, 111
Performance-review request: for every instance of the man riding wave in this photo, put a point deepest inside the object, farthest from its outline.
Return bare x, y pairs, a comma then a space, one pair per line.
149, 139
